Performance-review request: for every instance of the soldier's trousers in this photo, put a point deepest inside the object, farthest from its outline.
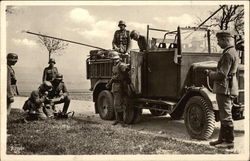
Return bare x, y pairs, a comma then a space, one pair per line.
66, 102
225, 109
118, 105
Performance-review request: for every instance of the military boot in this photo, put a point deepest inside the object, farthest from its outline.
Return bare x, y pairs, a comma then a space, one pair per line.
229, 138
220, 139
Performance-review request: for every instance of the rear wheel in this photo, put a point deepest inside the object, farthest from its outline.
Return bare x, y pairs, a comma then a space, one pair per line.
199, 118
105, 105
157, 112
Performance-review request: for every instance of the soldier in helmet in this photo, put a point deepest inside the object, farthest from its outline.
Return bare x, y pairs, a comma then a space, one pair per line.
59, 93
141, 40
119, 82
226, 88
50, 72
11, 80
121, 41
35, 106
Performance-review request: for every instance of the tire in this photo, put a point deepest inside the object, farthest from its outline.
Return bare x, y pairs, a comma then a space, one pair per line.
128, 114
105, 105
199, 118
137, 115
157, 112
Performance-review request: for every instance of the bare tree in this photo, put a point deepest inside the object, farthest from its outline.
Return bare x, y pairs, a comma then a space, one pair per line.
230, 16
52, 45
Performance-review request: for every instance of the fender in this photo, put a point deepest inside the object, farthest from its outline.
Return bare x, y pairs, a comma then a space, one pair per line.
195, 91
100, 81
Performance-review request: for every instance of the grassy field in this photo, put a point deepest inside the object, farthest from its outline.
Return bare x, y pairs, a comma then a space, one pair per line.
81, 135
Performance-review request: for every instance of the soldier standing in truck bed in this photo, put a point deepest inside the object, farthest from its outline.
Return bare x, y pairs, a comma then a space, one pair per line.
50, 72
121, 41
226, 88
11, 80
119, 82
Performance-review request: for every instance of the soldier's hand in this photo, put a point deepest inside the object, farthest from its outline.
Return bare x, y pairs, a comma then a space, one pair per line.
206, 72
47, 100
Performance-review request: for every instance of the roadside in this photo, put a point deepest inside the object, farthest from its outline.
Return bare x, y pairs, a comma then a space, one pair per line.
162, 127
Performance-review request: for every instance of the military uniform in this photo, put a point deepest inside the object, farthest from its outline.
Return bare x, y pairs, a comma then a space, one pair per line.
59, 94
49, 73
11, 80
226, 87
121, 41
119, 81
35, 106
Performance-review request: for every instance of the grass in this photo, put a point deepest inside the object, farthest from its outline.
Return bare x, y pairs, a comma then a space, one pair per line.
80, 135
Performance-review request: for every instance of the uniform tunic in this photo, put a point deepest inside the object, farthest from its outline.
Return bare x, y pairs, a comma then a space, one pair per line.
35, 104
142, 43
11, 83
49, 73
121, 41
119, 85
225, 83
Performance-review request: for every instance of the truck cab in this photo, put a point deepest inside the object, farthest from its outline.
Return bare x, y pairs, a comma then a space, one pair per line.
168, 78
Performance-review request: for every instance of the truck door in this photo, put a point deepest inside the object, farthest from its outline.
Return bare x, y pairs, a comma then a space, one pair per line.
162, 74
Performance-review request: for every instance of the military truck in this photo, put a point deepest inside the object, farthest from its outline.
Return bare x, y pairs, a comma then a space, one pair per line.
169, 78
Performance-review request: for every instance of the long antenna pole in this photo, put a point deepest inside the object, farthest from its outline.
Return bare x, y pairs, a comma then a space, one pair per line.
74, 42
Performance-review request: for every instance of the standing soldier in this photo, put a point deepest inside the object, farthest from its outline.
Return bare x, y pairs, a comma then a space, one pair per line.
226, 88
119, 82
121, 41
50, 72
11, 80
141, 40
59, 94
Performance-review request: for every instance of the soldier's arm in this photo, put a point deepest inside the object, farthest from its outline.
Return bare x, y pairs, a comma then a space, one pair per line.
35, 97
10, 94
223, 72
129, 43
114, 42
44, 75
65, 90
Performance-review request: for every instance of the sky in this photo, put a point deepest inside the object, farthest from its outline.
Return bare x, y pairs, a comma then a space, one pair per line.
90, 24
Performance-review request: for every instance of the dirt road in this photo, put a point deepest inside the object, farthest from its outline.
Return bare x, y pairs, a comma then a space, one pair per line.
162, 126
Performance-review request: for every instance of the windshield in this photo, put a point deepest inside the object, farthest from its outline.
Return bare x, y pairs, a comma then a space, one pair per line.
194, 41
197, 41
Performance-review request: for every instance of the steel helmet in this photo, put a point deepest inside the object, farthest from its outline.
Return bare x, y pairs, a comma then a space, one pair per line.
114, 54
121, 22
134, 33
59, 76
52, 60
12, 57
46, 85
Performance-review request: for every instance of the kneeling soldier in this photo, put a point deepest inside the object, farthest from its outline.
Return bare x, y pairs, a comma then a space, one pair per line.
59, 94
35, 105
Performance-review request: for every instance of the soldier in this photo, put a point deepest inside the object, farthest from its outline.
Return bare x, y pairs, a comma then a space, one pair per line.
121, 41
141, 40
59, 94
119, 82
226, 88
11, 80
50, 72
36, 104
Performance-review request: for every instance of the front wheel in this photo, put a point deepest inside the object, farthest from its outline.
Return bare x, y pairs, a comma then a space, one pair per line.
199, 118
105, 105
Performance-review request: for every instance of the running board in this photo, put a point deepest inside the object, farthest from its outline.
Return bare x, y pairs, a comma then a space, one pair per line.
167, 106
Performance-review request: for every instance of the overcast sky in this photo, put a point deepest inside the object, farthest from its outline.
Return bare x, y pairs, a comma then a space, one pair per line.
93, 25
